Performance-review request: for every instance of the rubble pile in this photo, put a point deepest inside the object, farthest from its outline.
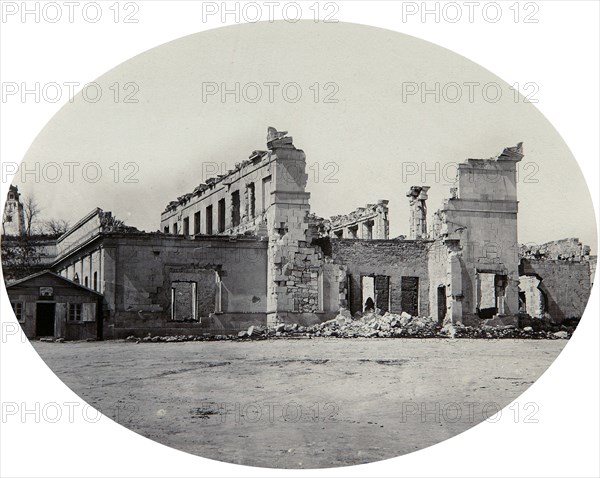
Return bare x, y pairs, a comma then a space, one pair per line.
372, 325
375, 325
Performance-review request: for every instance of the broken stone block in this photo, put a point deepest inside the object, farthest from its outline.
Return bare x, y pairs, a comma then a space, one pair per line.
449, 330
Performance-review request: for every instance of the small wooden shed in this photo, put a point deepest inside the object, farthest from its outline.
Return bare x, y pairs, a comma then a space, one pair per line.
48, 305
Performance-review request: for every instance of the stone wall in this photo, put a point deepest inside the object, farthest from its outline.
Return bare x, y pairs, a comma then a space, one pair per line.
565, 284
138, 271
569, 249
446, 274
391, 258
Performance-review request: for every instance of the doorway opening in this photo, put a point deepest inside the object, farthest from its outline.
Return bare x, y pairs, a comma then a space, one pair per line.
375, 291
409, 298
491, 294
441, 303
368, 293
44, 319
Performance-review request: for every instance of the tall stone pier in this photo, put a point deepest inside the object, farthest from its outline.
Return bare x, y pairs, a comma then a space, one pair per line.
294, 266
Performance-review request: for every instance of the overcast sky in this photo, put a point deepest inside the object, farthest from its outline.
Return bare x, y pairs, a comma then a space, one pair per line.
362, 143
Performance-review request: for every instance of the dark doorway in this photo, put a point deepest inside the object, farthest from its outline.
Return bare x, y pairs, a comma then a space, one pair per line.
441, 303
349, 297
44, 319
382, 293
522, 302
410, 295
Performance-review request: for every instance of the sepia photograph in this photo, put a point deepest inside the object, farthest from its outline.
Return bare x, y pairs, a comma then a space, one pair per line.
293, 244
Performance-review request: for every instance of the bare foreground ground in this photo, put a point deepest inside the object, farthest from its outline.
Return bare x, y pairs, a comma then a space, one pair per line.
305, 403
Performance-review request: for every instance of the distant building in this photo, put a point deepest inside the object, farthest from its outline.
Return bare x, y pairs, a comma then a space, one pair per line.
13, 219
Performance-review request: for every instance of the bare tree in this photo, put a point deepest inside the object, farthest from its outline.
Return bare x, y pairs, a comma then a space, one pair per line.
21, 256
32, 210
56, 227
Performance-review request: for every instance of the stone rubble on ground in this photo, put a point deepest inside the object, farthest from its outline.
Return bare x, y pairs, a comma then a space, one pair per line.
375, 325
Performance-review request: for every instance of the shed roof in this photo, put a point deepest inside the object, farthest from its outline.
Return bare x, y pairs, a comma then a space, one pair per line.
56, 276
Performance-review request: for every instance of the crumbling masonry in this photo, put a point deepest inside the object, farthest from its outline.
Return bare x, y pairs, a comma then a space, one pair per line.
244, 249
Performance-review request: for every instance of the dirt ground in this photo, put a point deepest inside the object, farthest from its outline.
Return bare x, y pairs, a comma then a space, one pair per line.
300, 403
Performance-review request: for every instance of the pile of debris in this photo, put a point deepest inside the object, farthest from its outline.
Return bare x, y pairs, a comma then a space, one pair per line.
375, 325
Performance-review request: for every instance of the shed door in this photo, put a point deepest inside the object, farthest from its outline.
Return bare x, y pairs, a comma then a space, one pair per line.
44, 319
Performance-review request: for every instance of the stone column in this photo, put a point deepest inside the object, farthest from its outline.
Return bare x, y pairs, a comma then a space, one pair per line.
418, 211
381, 226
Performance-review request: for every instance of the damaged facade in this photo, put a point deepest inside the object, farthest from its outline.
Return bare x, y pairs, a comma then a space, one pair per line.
244, 249
13, 218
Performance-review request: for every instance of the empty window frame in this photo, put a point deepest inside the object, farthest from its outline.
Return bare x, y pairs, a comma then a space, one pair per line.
221, 216
235, 208
19, 310
209, 220
184, 300
197, 222
251, 200
74, 312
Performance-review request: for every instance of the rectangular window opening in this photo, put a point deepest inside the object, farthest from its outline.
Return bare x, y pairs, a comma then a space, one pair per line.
251, 201
74, 313
18, 310
197, 222
235, 208
221, 216
184, 301
209, 220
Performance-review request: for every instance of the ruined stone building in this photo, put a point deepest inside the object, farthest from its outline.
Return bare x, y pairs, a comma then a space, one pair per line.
13, 219
244, 249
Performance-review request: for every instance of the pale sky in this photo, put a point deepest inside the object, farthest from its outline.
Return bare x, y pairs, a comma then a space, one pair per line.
370, 135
